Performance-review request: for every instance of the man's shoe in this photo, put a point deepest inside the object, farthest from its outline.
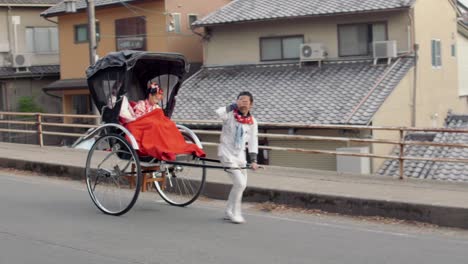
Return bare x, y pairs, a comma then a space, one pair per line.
238, 220
228, 216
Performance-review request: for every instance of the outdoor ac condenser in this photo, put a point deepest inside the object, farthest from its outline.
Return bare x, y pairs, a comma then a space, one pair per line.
352, 164
21, 60
384, 50
312, 52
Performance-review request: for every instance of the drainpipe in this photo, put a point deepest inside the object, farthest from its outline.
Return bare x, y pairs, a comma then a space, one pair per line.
415, 50
52, 95
415, 82
8, 18
50, 20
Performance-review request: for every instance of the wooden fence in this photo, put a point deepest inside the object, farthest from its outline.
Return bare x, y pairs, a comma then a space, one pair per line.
40, 130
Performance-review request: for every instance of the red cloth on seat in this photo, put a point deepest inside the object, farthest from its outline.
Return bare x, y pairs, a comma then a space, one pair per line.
158, 136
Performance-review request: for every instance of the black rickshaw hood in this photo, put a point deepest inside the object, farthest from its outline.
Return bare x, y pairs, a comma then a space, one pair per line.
128, 58
129, 72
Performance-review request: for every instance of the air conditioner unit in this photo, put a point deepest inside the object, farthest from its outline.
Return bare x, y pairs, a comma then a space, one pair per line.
312, 52
384, 50
21, 60
353, 164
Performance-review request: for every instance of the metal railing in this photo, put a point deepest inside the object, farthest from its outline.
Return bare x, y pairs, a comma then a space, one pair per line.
40, 124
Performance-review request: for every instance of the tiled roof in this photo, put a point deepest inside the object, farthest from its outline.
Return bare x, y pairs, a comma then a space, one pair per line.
66, 84
288, 93
434, 170
255, 10
29, 2
81, 4
10, 72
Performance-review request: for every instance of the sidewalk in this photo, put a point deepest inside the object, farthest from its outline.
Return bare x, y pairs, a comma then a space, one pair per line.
441, 203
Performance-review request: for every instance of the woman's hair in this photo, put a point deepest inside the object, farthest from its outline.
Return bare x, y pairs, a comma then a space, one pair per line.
149, 88
245, 93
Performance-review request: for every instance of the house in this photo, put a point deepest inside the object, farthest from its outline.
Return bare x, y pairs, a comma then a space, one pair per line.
156, 25
447, 171
28, 54
368, 62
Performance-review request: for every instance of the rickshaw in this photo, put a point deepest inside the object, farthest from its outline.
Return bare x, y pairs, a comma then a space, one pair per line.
114, 170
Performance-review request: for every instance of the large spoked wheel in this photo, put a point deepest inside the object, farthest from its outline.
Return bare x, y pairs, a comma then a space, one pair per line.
180, 185
113, 174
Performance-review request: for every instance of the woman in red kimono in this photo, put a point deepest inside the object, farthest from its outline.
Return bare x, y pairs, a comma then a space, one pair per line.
156, 134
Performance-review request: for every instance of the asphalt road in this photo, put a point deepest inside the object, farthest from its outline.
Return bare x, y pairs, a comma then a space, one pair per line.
48, 220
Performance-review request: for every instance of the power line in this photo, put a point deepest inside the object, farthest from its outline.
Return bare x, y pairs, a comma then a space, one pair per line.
141, 9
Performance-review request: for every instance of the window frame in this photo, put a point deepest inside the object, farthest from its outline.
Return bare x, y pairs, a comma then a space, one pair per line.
369, 50
145, 32
281, 38
436, 59
189, 25
172, 18
75, 33
34, 41
3, 96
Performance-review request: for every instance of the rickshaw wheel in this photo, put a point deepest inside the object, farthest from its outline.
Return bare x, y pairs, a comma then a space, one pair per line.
112, 185
180, 185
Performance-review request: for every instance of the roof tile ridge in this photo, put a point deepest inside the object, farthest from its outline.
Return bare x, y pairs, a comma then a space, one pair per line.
252, 65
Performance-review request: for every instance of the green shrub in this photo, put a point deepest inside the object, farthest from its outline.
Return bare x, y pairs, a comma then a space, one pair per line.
27, 104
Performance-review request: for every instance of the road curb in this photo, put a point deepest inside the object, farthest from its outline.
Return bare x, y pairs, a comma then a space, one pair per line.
438, 215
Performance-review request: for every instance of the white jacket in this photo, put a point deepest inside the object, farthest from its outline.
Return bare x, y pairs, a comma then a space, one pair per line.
227, 150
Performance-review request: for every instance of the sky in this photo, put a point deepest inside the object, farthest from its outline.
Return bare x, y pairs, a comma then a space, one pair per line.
464, 2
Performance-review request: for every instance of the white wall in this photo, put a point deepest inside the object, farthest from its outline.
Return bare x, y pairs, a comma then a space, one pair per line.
239, 43
462, 56
29, 17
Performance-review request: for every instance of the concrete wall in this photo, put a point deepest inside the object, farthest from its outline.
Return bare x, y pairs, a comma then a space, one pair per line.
437, 88
239, 43
74, 56
31, 87
29, 17
462, 56
398, 104
186, 42
4, 39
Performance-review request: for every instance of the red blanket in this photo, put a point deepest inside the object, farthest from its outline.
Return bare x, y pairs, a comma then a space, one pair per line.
159, 137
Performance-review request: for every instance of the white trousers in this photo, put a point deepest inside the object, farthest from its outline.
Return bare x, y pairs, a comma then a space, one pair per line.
239, 182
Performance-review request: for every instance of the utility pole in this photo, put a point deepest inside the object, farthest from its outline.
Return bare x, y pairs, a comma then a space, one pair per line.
92, 32
92, 44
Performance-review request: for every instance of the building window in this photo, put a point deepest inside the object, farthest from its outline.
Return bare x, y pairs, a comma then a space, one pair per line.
3, 97
174, 23
131, 33
280, 48
356, 39
191, 19
81, 104
81, 33
42, 39
436, 53
454, 50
